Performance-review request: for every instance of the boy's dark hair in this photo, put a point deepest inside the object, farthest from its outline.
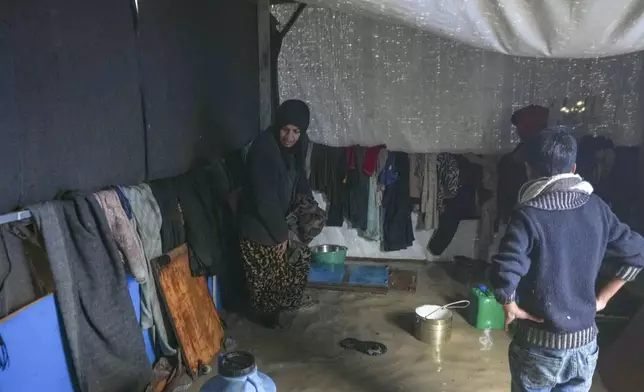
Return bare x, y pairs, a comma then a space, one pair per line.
551, 152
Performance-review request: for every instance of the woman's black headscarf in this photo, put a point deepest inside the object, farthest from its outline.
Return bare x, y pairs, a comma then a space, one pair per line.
293, 112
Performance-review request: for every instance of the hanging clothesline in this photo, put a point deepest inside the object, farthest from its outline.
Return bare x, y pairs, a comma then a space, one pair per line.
15, 216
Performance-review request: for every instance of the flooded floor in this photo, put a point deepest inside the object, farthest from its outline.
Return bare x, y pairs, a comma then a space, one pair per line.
307, 358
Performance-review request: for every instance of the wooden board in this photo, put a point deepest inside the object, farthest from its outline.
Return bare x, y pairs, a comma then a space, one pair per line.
385, 260
348, 287
403, 280
192, 311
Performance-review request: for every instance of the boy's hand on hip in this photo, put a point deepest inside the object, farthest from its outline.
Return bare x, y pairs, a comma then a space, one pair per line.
601, 304
514, 312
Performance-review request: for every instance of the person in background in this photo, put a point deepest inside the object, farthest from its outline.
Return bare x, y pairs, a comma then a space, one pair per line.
275, 175
528, 121
549, 258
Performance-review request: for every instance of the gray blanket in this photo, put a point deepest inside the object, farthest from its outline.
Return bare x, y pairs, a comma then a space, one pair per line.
103, 337
148, 224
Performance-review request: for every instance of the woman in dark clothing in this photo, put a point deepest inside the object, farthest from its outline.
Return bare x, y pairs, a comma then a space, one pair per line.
528, 121
275, 175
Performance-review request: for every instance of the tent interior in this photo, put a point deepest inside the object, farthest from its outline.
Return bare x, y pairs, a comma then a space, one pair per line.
125, 129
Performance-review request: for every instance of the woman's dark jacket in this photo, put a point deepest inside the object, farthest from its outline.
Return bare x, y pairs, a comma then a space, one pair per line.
273, 176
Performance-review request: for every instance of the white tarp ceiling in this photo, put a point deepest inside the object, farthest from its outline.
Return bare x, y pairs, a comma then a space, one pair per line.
371, 82
538, 28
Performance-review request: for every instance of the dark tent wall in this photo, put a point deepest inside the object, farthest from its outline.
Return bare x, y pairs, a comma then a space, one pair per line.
200, 72
70, 113
71, 74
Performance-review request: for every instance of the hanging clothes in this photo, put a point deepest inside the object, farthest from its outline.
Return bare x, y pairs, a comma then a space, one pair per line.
17, 283
397, 228
372, 166
125, 235
416, 162
328, 174
148, 218
192, 213
102, 334
25, 275
371, 160
203, 218
173, 234
372, 232
461, 206
147, 214
383, 157
486, 199
447, 171
357, 185
125, 203
512, 176
429, 212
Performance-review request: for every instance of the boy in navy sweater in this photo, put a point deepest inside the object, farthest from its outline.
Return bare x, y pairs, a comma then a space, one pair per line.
550, 257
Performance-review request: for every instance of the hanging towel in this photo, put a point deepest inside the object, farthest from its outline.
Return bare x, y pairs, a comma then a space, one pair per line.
103, 337
124, 233
373, 212
429, 193
148, 218
148, 224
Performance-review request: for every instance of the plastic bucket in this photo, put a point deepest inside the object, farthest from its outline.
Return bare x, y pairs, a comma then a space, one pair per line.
433, 326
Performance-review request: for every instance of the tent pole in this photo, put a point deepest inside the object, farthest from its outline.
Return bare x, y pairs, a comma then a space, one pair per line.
264, 48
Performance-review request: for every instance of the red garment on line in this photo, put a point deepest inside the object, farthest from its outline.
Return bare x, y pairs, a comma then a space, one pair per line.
370, 162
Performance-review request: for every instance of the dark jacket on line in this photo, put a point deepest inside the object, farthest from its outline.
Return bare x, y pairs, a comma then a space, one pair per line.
273, 177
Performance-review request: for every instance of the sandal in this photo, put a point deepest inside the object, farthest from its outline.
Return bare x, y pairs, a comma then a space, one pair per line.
372, 349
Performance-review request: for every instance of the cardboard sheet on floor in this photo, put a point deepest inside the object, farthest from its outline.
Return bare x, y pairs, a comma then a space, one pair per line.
191, 309
362, 278
350, 277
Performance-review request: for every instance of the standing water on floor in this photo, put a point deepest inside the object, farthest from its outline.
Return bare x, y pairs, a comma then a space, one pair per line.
238, 373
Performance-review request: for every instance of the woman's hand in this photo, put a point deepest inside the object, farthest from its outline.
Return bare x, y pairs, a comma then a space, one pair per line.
514, 312
281, 248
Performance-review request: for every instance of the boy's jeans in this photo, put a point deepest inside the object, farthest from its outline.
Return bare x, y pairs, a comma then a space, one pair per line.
544, 370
